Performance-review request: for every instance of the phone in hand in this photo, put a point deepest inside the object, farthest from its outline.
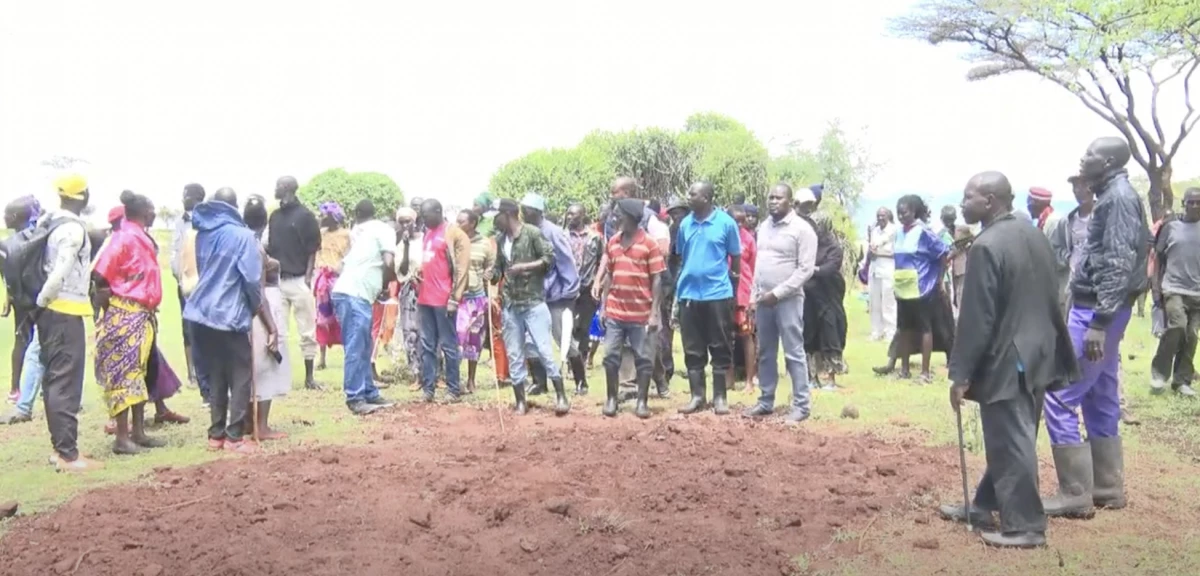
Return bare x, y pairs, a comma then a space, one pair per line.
276, 354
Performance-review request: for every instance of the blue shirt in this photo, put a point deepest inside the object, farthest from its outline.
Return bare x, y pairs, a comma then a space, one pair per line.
562, 279
705, 246
228, 293
918, 257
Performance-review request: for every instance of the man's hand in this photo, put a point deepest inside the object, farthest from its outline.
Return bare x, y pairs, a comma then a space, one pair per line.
597, 291
273, 341
655, 322
452, 310
5, 310
1093, 344
957, 393
489, 274
768, 299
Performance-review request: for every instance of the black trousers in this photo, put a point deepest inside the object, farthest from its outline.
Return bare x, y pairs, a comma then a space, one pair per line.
707, 328
22, 335
585, 309
227, 357
1010, 482
64, 353
664, 359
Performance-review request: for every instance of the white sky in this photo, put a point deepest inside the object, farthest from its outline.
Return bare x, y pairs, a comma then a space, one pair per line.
439, 94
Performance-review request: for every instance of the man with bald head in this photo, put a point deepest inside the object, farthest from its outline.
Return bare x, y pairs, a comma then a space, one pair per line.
293, 238
221, 307
1109, 277
1018, 348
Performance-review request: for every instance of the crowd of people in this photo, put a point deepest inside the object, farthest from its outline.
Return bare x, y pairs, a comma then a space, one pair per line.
1047, 299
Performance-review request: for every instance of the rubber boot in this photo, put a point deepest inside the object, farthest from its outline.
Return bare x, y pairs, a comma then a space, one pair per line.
697, 385
1073, 463
537, 371
720, 404
1109, 473
579, 372
643, 397
612, 386
519, 393
561, 404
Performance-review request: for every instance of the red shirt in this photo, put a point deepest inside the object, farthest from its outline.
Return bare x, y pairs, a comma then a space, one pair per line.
749, 257
631, 294
436, 281
128, 261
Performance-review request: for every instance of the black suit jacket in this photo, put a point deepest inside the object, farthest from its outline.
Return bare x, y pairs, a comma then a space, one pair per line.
1010, 316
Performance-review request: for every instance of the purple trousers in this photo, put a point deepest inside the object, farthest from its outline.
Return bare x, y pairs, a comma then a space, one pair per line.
1096, 391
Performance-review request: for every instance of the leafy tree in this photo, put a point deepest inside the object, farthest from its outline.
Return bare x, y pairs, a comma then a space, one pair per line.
727, 154
653, 156
349, 188
1115, 56
561, 175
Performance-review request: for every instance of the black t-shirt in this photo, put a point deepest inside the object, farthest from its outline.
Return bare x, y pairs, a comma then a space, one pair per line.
293, 237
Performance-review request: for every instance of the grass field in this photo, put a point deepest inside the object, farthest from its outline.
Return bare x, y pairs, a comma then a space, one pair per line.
1162, 454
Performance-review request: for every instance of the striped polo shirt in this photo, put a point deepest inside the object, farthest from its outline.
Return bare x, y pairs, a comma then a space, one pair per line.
631, 295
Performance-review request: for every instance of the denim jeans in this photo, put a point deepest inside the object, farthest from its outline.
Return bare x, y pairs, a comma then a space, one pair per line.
437, 331
618, 335
534, 321
31, 376
783, 322
354, 316
199, 363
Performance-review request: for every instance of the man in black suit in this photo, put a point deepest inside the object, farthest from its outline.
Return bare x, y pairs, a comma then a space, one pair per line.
1018, 347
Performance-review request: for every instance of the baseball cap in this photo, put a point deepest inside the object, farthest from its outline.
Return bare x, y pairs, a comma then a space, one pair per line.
534, 201
71, 186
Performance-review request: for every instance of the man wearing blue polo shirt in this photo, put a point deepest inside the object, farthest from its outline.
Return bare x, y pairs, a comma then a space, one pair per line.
710, 251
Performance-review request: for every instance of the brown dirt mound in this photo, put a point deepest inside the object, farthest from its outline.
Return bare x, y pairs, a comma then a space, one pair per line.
444, 492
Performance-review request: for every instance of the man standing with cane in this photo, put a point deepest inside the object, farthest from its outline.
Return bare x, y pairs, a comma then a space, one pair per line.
1018, 347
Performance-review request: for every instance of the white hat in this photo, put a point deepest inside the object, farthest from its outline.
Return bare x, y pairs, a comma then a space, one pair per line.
534, 201
804, 196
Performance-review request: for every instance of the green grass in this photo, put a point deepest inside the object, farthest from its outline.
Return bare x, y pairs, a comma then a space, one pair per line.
1161, 455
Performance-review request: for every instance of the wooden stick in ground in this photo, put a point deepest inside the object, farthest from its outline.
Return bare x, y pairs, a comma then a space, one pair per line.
253, 389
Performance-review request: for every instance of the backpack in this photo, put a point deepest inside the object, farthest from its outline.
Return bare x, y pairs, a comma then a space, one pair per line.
22, 262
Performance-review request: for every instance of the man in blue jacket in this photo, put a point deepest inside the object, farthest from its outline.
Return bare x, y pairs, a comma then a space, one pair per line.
222, 307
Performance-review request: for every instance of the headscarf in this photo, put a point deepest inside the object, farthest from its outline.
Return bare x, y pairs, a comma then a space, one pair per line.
333, 210
34, 207
484, 200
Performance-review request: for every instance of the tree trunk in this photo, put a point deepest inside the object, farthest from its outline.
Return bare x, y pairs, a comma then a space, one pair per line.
1168, 195
1155, 196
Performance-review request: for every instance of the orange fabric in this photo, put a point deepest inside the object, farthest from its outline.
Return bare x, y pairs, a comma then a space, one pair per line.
499, 352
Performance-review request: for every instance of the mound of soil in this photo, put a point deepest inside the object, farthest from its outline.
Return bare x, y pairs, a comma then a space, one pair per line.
443, 491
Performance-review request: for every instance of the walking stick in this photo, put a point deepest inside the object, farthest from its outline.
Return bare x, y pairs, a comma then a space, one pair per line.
253, 391
962, 462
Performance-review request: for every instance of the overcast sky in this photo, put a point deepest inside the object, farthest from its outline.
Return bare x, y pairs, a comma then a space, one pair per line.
439, 94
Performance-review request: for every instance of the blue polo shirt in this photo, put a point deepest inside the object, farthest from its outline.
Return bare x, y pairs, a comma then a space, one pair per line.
705, 246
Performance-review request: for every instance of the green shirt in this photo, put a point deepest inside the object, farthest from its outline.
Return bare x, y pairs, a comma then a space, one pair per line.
484, 228
527, 289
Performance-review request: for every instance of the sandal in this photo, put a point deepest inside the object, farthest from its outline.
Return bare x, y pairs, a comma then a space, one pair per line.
170, 417
272, 435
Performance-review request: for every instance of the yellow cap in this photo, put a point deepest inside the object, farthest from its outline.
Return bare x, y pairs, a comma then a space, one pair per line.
71, 186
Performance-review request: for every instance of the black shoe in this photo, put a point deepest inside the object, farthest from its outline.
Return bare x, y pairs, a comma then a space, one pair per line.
579, 373
519, 394
381, 402
719, 403
362, 408
643, 392
581, 388
427, 397
663, 387
561, 405
612, 389
980, 519
1023, 540
758, 411
696, 385
537, 371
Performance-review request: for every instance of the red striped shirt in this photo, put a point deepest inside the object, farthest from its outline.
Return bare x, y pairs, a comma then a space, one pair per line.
631, 294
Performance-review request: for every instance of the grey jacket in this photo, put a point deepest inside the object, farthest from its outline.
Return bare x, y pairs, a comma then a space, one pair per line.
1112, 273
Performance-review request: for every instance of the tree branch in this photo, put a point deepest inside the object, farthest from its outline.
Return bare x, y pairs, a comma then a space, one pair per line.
1184, 126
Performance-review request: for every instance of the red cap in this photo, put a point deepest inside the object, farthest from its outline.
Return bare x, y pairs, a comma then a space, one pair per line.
117, 213
1040, 193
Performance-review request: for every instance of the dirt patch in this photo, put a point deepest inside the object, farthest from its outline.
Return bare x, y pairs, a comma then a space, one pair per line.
447, 493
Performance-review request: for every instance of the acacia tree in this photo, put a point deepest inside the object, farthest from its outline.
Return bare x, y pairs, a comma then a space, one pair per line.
1116, 56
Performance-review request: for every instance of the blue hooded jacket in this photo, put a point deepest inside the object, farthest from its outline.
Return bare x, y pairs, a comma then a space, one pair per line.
228, 292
